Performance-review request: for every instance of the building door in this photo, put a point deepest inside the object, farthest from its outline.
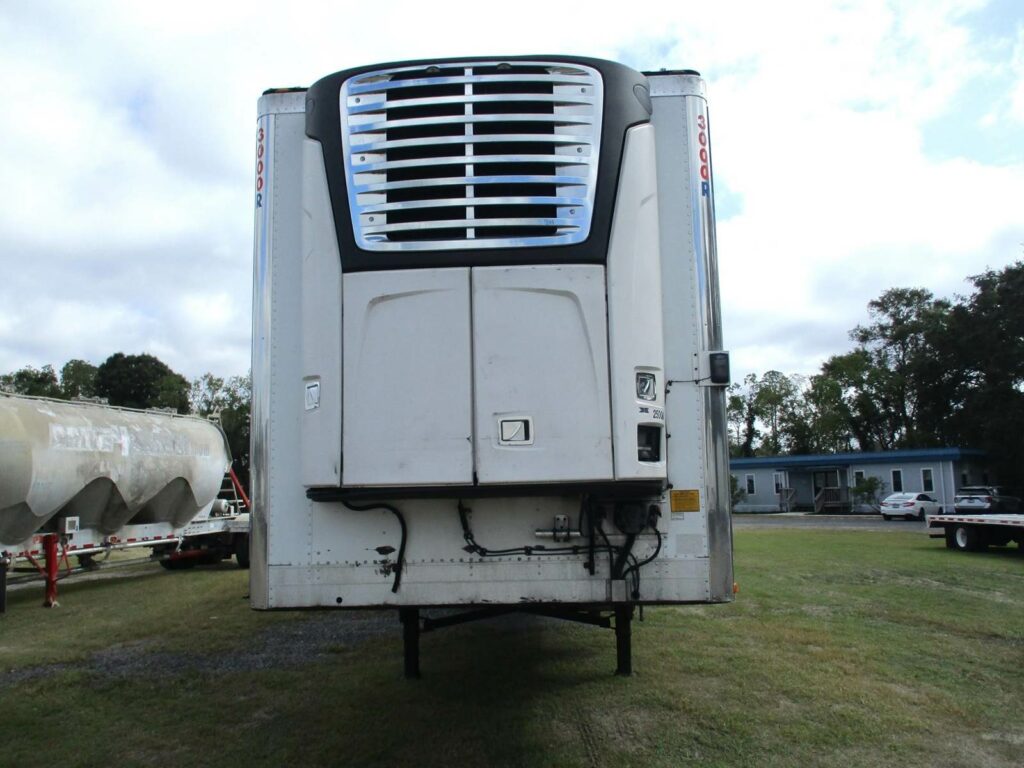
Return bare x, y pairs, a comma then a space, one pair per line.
826, 479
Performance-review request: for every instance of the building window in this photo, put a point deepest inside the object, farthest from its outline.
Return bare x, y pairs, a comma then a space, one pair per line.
897, 481
858, 477
927, 483
963, 478
750, 485
780, 481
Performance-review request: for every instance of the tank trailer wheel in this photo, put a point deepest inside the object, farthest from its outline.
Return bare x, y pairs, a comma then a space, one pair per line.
179, 565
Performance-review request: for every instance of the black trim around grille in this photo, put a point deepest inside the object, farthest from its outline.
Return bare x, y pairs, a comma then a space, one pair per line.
622, 108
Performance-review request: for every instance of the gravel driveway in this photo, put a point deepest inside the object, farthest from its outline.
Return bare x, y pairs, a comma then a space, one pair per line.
284, 644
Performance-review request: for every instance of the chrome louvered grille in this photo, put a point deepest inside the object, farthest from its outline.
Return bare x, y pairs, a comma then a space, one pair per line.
471, 155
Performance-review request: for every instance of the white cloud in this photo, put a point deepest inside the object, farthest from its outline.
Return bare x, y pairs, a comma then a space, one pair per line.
128, 135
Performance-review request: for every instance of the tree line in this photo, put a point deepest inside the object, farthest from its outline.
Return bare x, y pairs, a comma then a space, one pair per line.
144, 381
923, 373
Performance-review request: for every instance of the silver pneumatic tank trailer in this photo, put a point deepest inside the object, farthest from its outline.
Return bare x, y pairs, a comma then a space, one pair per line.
83, 479
487, 353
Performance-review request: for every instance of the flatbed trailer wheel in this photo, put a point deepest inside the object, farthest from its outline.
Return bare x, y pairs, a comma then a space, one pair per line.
966, 538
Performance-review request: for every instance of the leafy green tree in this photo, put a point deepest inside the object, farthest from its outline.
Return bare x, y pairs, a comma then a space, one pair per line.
737, 495
816, 419
742, 415
897, 347
984, 347
141, 381
774, 397
40, 382
854, 375
230, 402
78, 379
830, 416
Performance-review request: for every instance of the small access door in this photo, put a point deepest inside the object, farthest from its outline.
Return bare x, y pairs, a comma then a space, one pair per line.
540, 370
407, 379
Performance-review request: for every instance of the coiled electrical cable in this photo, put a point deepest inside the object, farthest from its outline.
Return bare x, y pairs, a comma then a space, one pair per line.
634, 568
400, 565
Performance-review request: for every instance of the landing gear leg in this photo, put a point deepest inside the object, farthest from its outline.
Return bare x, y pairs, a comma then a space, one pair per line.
52, 564
624, 639
410, 618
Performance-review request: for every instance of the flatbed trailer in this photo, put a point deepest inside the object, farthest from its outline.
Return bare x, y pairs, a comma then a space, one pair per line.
970, 533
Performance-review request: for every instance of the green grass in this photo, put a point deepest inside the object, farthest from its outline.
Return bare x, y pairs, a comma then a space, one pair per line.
843, 648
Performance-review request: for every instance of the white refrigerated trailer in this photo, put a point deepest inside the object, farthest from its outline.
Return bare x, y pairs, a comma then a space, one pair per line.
488, 368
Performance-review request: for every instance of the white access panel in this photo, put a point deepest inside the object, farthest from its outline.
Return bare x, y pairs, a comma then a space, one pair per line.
635, 339
406, 348
320, 308
540, 365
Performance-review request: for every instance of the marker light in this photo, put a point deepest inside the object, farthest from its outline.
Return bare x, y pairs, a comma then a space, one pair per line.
719, 365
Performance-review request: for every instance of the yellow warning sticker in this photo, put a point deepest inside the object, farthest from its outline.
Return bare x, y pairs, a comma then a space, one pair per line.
685, 501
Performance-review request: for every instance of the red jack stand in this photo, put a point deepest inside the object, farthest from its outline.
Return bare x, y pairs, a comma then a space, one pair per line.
238, 488
50, 542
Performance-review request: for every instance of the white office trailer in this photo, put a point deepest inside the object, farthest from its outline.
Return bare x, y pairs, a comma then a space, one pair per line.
487, 354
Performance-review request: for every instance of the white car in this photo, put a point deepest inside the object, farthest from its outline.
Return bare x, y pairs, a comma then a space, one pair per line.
910, 506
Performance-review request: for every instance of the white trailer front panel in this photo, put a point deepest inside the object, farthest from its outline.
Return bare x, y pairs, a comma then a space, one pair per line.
482, 373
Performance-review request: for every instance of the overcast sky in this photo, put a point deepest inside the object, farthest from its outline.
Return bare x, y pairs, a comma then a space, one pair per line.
857, 146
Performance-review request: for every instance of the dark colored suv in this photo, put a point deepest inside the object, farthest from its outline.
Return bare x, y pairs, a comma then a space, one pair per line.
985, 499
